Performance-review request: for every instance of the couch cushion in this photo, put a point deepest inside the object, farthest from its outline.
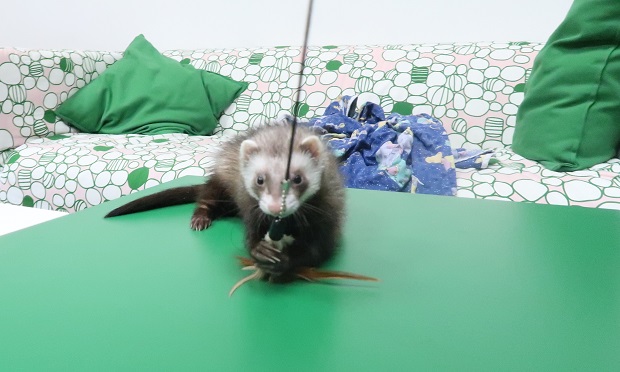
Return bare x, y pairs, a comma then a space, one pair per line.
569, 119
75, 171
473, 88
81, 170
148, 93
34, 82
519, 179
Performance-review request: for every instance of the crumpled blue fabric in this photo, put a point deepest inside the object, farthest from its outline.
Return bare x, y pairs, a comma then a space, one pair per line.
404, 153
473, 158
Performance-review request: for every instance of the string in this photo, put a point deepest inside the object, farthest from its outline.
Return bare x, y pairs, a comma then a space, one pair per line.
298, 97
276, 230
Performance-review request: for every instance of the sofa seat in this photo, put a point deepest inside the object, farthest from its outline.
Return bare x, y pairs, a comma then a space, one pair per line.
82, 170
79, 170
519, 179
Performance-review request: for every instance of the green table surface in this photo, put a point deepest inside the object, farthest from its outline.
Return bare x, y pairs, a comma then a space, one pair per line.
466, 285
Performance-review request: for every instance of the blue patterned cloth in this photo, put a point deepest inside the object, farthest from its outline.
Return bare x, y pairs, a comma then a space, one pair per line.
405, 153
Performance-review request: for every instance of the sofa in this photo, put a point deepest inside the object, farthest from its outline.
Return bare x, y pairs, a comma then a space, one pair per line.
474, 89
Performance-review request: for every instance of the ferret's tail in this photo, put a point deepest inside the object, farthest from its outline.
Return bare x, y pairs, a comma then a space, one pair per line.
166, 198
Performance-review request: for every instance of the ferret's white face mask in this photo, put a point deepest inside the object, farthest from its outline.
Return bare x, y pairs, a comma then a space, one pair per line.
263, 175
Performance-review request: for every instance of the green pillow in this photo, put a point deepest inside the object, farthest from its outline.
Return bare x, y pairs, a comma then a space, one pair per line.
570, 116
148, 93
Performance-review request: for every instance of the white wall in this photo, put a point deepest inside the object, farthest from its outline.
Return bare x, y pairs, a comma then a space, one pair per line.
171, 24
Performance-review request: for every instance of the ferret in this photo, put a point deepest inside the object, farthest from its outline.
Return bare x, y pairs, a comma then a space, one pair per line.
247, 181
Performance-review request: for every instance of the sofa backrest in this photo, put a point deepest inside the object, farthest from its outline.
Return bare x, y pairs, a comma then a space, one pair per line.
34, 82
474, 89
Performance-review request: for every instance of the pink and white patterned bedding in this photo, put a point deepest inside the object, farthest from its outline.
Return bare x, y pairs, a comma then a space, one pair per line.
474, 89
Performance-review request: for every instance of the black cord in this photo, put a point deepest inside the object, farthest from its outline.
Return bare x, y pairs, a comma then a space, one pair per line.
299, 83
278, 227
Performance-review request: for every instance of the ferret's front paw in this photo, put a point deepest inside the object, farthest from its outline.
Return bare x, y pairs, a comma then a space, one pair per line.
200, 221
268, 258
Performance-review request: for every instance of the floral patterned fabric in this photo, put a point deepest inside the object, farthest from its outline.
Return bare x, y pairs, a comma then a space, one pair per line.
404, 153
474, 89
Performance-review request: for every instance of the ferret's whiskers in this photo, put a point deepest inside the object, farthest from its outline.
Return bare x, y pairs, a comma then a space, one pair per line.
302, 219
314, 209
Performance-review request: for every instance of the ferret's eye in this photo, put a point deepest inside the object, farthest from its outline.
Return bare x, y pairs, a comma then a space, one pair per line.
260, 180
297, 179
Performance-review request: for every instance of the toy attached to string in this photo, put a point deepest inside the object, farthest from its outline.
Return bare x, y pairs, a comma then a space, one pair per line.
282, 226
309, 274
289, 195
278, 227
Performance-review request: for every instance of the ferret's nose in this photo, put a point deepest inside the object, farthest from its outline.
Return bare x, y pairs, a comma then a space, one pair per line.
274, 208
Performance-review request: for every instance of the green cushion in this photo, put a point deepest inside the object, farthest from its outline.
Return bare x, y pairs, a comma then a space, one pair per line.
570, 116
148, 93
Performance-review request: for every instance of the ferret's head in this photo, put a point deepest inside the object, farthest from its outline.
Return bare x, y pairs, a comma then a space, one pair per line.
263, 170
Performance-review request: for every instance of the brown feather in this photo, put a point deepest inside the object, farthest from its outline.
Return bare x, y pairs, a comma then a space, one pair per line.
316, 274
313, 274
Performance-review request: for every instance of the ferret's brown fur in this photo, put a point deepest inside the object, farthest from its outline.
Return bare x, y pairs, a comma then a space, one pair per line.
246, 181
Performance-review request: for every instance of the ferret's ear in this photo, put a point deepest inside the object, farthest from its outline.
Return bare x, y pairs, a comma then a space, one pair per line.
247, 149
312, 145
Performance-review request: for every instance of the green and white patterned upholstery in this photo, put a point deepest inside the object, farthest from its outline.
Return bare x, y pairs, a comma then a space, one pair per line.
474, 89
